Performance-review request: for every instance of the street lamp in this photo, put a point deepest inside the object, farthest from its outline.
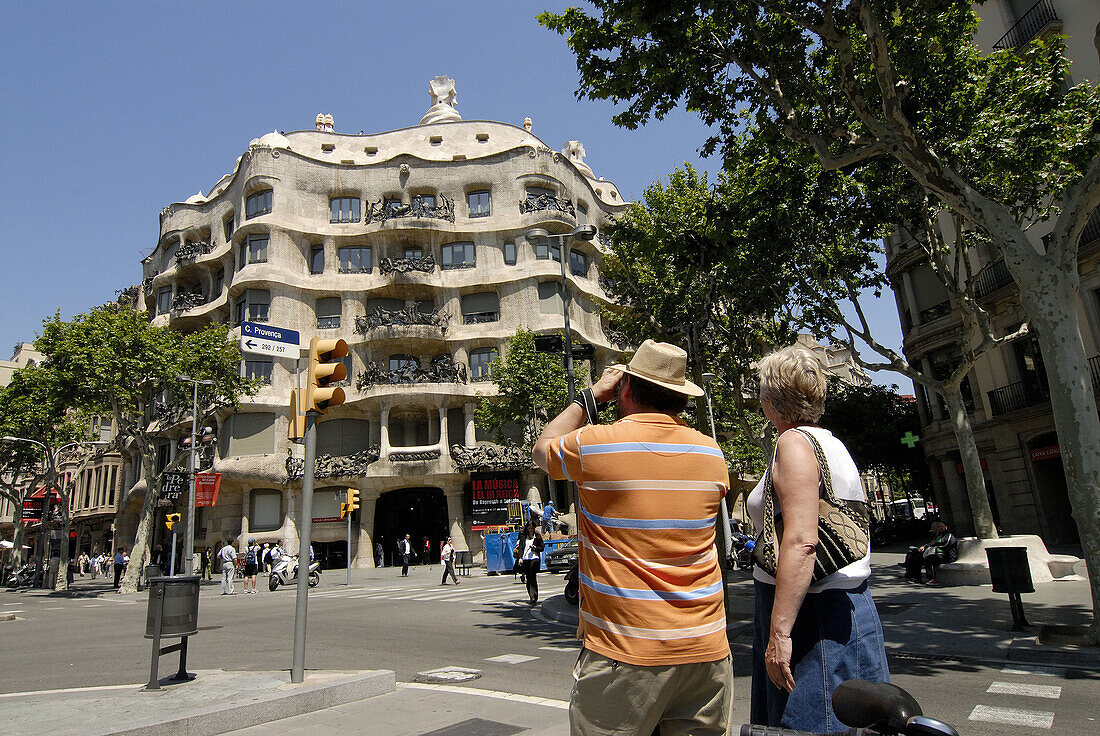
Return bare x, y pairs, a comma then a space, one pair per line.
538, 236
708, 378
189, 532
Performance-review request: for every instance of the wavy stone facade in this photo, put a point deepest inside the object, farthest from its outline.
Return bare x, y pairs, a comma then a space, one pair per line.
410, 245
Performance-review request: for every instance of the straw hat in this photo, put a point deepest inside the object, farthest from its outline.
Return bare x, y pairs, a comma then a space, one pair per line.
662, 364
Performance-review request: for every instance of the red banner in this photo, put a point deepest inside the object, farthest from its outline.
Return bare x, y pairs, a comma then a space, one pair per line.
207, 486
1046, 453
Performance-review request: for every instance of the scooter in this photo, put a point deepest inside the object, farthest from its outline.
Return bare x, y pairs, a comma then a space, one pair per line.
573, 586
285, 571
23, 575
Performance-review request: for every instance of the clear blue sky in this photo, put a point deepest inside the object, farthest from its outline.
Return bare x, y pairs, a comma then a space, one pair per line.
113, 110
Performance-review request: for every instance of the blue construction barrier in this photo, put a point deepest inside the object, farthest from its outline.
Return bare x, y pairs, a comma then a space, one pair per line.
498, 551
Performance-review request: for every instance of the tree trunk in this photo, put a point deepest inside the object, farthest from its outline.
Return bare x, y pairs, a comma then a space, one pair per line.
980, 512
1051, 302
17, 535
62, 581
140, 552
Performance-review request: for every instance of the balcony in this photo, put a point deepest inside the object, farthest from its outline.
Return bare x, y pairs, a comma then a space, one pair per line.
421, 208
187, 300
992, 279
442, 370
191, 250
547, 202
1016, 396
406, 265
1028, 26
936, 311
401, 317
1092, 229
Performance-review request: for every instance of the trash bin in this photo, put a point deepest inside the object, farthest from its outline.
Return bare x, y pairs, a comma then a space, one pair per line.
153, 571
1009, 570
176, 602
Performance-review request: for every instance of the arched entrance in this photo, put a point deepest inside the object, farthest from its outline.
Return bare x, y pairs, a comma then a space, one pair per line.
418, 512
1052, 491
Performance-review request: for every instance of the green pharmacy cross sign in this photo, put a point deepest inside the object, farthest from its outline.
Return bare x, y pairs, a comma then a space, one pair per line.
910, 440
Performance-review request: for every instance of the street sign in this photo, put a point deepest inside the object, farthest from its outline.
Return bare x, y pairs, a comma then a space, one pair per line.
268, 340
172, 486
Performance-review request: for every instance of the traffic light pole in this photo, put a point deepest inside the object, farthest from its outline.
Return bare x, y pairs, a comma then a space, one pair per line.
172, 561
348, 583
297, 669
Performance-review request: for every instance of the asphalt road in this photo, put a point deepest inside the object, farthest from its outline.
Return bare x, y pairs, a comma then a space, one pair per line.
411, 625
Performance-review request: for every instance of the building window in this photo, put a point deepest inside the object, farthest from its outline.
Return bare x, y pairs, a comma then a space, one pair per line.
480, 358
391, 207
344, 209
478, 203
228, 228
265, 513
219, 283
424, 200
257, 204
164, 299
259, 369
250, 433
328, 313
550, 300
544, 251
317, 259
355, 259
458, 255
582, 214
253, 306
509, 254
254, 250
535, 194
578, 263
481, 307
413, 253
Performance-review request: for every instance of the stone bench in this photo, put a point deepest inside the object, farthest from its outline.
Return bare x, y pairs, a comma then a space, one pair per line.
972, 567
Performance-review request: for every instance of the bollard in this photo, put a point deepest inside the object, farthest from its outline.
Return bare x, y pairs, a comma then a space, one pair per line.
173, 611
1010, 573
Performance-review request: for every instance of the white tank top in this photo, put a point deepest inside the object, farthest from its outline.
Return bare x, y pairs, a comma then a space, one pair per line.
846, 486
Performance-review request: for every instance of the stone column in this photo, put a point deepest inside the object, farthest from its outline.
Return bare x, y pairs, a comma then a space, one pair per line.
443, 430
471, 433
384, 434
910, 298
290, 526
364, 551
456, 519
933, 398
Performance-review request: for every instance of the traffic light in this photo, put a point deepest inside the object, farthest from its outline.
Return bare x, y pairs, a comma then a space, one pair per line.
353, 499
296, 426
171, 520
325, 368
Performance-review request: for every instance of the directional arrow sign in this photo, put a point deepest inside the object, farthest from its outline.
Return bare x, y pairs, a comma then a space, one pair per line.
268, 340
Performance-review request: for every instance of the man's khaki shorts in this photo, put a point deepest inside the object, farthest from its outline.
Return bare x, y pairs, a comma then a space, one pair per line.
611, 697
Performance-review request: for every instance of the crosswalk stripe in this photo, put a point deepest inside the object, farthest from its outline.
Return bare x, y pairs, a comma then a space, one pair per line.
1052, 692
1029, 669
1012, 716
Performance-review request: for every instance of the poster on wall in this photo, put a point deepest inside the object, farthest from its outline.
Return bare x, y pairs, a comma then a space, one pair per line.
206, 489
487, 496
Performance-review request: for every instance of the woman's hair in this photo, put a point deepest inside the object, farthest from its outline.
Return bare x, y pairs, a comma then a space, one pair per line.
530, 524
793, 381
938, 526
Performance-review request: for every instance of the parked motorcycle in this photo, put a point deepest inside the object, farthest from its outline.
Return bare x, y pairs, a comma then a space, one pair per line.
285, 571
573, 586
21, 576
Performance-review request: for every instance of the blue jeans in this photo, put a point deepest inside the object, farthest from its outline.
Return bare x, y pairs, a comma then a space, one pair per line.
837, 636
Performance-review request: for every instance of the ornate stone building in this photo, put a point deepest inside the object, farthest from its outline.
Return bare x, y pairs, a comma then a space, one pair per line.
410, 245
1006, 393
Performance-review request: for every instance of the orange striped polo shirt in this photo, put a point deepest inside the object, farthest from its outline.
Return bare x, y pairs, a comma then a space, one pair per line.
650, 490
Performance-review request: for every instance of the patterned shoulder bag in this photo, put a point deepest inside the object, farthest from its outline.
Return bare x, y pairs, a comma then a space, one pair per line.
843, 527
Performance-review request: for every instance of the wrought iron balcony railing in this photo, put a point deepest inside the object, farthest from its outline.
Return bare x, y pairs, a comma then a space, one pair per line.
381, 211
994, 278
1028, 26
547, 202
193, 249
400, 317
406, 265
1015, 396
480, 318
443, 369
936, 311
188, 300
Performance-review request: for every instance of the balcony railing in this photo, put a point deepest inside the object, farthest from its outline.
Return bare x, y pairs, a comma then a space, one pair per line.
1092, 229
193, 249
993, 278
381, 211
380, 317
405, 265
1028, 26
188, 300
442, 370
1015, 396
936, 311
547, 202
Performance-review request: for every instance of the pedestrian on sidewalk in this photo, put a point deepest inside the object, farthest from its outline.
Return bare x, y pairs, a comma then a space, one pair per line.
447, 559
379, 554
427, 551
655, 653
404, 550
529, 547
97, 565
265, 559
807, 637
251, 565
228, 558
120, 565
206, 560
943, 548
548, 512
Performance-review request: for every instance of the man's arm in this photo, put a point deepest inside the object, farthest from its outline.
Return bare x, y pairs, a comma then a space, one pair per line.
573, 416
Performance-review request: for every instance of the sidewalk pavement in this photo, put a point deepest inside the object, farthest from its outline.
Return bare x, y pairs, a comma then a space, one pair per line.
968, 623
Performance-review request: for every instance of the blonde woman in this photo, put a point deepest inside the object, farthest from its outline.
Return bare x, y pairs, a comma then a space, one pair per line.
808, 637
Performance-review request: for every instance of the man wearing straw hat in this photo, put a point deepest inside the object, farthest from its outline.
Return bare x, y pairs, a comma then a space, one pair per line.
655, 651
